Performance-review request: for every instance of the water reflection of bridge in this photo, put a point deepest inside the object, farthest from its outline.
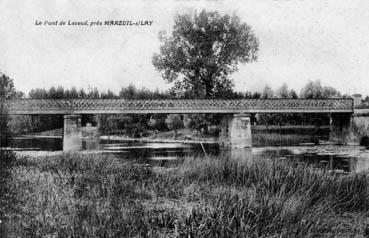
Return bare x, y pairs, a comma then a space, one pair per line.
235, 126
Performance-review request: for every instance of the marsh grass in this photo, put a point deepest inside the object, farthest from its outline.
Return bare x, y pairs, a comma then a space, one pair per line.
266, 197
96, 195
288, 135
277, 139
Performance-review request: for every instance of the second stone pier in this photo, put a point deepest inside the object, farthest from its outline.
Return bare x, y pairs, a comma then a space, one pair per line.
72, 136
236, 131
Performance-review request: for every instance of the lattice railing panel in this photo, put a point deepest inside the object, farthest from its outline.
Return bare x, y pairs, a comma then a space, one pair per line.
84, 106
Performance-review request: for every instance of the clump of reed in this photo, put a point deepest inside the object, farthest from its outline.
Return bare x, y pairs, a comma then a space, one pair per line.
76, 195
348, 192
288, 135
267, 198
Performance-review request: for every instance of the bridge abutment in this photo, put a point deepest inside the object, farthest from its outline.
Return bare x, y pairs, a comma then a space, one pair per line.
236, 131
72, 135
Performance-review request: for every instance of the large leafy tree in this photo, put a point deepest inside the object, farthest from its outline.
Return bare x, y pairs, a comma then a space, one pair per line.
203, 50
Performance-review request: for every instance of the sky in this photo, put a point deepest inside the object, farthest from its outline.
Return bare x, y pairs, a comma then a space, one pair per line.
300, 40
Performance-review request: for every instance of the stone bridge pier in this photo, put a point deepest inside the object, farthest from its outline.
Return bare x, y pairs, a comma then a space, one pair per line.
72, 135
235, 131
75, 137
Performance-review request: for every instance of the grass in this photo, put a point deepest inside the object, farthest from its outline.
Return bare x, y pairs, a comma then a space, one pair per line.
288, 135
96, 195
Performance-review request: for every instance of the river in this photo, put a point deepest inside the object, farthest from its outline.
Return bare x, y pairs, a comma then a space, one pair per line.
341, 159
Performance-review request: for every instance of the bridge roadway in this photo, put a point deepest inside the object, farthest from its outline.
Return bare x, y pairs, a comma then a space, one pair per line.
224, 106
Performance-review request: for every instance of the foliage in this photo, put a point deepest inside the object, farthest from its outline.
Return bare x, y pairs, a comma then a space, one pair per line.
7, 91
201, 122
131, 92
314, 89
267, 92
157, 122
311, 90
285, 92
174, 122
203, 50
127, 124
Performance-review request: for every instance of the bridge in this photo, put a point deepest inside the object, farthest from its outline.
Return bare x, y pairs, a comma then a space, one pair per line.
235, 126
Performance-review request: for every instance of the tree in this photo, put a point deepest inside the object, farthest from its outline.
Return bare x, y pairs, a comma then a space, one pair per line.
82, 94
128, 92
329, 92
203, 50
108, 95
314, 89
7, 91
93, 94
283, 92
267, 92
38, 93
157, 122
174, 122
293, 94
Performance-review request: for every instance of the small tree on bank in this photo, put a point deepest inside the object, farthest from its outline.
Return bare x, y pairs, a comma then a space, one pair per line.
203, 50
174, 122
7, 91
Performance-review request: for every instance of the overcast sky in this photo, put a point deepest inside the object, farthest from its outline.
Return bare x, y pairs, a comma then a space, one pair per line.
300, 40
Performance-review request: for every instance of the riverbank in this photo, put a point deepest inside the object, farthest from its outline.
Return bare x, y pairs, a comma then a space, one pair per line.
95, 195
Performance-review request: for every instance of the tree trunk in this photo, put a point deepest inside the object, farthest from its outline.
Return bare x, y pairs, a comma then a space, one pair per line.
175, 133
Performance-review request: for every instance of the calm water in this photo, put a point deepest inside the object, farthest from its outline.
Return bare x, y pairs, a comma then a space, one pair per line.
333, 158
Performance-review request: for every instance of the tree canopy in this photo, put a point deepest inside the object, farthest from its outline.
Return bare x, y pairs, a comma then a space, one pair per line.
7, 91
314, 89
203, 50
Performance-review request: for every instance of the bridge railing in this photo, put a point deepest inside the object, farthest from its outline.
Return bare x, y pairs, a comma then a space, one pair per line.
108, 106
